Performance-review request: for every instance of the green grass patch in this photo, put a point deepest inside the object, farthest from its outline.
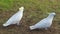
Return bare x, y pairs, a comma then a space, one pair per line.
34, 11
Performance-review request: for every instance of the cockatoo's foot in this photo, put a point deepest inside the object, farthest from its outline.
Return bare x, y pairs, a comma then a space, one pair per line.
46, 28
18, 24
4, 27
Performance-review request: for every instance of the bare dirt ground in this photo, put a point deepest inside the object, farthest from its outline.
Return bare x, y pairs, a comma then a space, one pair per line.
35, 10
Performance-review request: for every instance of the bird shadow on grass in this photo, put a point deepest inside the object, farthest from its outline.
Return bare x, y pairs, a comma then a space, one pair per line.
9, 27
41, 30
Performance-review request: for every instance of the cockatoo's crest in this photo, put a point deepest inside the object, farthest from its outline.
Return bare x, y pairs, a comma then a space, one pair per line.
51, 14
21, 8
5, 25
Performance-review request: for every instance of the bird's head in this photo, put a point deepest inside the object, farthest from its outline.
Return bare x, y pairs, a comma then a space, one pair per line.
21, 8
53, 13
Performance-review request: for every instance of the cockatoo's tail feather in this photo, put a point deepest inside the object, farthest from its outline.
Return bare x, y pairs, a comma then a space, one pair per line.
31, 27
5, 25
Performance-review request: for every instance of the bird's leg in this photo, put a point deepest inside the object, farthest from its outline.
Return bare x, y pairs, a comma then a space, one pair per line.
18, 23
46, 28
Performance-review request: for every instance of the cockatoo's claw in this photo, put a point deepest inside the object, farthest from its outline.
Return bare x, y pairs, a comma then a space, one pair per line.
46, 28
18, 23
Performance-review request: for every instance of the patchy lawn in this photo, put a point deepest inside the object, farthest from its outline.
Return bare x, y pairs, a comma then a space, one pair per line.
35, 10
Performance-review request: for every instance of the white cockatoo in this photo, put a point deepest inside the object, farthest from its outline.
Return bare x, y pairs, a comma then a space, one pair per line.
44, 23
15, 19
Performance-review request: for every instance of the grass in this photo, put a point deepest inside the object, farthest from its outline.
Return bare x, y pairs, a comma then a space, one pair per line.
35, 10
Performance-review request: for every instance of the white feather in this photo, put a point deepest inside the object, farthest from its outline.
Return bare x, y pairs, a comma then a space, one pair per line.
15, 18
44, 23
